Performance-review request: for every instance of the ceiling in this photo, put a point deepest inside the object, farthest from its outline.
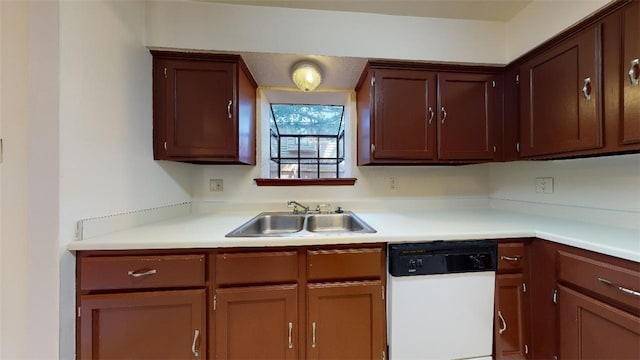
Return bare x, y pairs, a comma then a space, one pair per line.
273, 70
492, 10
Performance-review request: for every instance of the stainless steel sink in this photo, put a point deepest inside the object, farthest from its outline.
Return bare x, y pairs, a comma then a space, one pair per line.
282, 224
345, 222
270, 224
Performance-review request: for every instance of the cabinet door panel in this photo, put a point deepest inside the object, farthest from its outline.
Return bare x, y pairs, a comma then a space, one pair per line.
590, 329
465, 116
402, 127
345, 320
510, 319
201, 120
556, 115
147, 325
630, 132
253, 322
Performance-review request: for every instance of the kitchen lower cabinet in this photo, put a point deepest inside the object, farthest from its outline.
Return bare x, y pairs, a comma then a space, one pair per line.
143, 325
141, 306
346, 320
316, 302
592, 329
259, 322
511, 317
511, 320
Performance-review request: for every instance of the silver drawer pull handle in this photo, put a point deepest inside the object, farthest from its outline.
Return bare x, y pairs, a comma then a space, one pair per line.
313, 334
621, 288
430, 111
195, 351
511, 258
503, 327
139, 273
229, 108
586, 88
444, 114
290, 329
634, 75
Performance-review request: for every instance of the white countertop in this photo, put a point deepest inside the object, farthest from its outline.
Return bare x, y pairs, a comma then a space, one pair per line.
208, 231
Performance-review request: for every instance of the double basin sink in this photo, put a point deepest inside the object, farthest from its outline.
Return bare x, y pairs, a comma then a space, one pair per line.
283, 224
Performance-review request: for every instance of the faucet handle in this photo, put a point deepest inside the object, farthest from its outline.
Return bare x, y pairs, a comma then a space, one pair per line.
323, 208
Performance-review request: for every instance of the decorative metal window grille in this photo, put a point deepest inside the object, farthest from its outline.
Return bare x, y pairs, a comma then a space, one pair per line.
307, 141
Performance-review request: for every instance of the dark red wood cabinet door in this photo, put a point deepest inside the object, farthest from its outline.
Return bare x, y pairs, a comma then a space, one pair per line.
630, 129
404, 114
560, 98
200, 109
591, 329
346, 320
143, 325
510, 317
257, 322
465, 116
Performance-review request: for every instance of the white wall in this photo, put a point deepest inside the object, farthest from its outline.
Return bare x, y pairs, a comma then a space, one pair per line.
106, 160
14, 280
209, 26
541, 20
417, 182
603, 185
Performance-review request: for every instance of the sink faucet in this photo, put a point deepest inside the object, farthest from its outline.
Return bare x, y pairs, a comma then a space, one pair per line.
295, 206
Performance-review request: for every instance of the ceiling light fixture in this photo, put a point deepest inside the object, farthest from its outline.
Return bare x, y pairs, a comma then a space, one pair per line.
306, 75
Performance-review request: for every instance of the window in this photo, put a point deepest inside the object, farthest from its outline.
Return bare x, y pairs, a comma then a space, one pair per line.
306, 141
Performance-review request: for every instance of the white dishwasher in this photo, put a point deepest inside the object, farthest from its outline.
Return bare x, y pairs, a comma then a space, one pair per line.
440, 300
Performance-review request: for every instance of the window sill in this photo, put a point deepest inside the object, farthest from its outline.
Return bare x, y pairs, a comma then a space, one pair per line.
305, 182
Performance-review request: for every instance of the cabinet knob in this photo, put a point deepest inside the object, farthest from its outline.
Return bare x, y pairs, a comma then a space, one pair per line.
430, 112
586, 88
229, 108
634, 74
444, 114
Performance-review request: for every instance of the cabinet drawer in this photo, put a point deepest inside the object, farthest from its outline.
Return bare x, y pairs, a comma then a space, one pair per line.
619, 284
137, 272
338, 264
256, 267
511, 257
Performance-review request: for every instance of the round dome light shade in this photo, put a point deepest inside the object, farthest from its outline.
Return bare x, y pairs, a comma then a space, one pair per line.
306, 75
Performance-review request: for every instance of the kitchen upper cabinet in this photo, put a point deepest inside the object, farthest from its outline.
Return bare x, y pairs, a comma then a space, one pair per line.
560, 97
204, 108
413, 115
258, 322
630, 129
404, 115
465, 116
141, 307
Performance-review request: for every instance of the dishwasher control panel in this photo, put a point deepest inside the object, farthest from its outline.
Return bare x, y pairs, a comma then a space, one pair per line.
440, 257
